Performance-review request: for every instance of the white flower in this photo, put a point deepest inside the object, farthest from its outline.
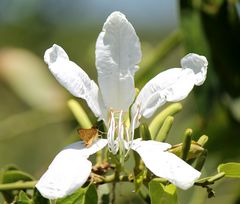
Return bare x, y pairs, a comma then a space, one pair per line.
117, 54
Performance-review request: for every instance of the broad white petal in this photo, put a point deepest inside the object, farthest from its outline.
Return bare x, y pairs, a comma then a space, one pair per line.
117, 54
74, 79
68, 171
171, 85
198, 64
165, 164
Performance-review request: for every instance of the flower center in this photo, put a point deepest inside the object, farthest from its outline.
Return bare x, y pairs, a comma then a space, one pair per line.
116, 131
120, 137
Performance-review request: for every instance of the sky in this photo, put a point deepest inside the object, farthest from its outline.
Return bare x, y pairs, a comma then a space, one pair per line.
145, 14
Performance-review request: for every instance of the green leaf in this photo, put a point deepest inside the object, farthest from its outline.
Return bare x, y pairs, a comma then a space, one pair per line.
38, 199
86, 195
231, 170
23, 198
15, 175
11, 174
161, 194
6, 168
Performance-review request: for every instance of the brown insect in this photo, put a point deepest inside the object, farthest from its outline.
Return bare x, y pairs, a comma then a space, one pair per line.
88, 135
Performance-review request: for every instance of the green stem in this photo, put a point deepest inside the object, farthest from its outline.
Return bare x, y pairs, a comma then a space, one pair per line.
216, 177
18, 185
97, 180
111, 178
209, 180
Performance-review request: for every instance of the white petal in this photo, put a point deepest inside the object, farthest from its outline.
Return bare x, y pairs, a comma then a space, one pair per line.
141, 145
65, 177
171, 85
198, 64
87, 151
117, 54
165, 164
68, 171
74, 79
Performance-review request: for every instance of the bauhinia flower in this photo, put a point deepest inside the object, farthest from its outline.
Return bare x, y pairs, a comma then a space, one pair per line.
118, 54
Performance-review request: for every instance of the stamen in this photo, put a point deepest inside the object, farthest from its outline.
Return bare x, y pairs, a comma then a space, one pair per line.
112, 144
120, 135
132, 127
121, 139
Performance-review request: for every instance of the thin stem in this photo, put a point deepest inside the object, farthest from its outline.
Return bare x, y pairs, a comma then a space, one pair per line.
18, 185
216, 177
210, 180
113, 193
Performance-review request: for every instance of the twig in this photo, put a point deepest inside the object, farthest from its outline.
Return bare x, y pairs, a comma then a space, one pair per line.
18, 185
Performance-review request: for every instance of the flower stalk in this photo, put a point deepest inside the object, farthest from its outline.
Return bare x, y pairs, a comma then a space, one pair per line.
18, 185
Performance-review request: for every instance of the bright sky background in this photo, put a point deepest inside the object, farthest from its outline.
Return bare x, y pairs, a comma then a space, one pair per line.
144, 14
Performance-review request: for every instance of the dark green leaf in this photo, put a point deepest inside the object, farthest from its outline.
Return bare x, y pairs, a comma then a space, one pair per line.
86, 195
11, 174
105, 199
15, 175
161, 194
22, 198
38, 199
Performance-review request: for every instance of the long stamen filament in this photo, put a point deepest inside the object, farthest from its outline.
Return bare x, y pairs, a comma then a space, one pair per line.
112, 145
132, 127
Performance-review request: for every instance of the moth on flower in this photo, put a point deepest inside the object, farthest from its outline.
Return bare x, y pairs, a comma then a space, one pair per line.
88, 135
118, 54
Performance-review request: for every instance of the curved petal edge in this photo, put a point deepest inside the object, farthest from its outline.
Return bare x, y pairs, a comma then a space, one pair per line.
74, 79
118, 52
69, 170
198, 64
165, 164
